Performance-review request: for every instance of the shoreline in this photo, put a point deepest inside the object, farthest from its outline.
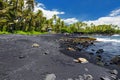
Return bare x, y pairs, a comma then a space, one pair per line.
96, 57
19, 60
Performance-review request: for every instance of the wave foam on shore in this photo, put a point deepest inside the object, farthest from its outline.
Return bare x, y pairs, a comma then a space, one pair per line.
108, 40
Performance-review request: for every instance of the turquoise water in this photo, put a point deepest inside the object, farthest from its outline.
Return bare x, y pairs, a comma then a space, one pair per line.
110, 44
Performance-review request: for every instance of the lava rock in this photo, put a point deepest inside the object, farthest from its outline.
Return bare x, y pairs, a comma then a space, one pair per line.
88, 77
105, 78
100, 63
99, 57
116, 60
114, 77
106, 64
46, 52
22, 56
91, 53
92, 50
99, 51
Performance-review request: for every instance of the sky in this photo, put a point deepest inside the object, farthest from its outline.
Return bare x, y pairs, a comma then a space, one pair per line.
88, 11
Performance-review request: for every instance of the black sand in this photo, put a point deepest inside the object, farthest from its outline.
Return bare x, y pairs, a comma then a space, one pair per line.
20, 61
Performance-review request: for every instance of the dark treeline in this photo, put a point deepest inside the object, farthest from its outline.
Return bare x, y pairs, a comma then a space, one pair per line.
18, 15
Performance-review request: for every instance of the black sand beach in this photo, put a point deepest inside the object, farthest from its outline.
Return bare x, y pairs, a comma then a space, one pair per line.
20, 61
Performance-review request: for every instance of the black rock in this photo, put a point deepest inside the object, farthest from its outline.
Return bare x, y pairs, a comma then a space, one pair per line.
45, 53
114, 77
99, 51
91, 53
92, 43
88, 77
116, 60
92, 50
107, 64
105, 78
22, 56
99, 57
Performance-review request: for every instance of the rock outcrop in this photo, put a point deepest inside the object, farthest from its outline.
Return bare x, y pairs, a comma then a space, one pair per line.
116, 60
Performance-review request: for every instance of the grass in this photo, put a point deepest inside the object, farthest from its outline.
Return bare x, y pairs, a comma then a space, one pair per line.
4, 32
24, 33
29, 33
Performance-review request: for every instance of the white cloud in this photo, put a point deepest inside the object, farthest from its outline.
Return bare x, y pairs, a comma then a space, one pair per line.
115, 12
50, 13
70, 20
106, 20
113, 18
47, 13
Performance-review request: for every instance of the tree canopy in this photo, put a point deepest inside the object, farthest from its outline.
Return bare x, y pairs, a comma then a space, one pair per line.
19, 15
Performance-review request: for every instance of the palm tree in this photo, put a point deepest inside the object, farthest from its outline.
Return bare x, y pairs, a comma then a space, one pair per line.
38, 20
30, 5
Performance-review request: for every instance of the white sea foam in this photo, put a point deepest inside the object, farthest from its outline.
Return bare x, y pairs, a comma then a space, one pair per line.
116, 35
108, 40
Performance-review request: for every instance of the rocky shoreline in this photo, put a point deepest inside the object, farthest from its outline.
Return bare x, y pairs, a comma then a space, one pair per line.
97, 57
51, 57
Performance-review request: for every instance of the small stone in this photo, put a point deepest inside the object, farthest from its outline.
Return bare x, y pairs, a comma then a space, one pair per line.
100, 51
92, 43
86, 69
66, 34
92, 50
91, 53
107, 64
50, 77
100, 63
114, 77
114, 72
88, 77
71, 49
22, 56
99, 57
46, 52
105, 78
81, 77
35, 45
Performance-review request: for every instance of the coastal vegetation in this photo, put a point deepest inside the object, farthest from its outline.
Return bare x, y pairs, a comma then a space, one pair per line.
18, 17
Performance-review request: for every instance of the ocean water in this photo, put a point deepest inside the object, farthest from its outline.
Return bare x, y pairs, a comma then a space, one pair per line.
110, 44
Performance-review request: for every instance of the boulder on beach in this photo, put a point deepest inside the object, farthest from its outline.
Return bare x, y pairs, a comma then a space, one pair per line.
99, 51
81, 60
116, 60
35, 45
